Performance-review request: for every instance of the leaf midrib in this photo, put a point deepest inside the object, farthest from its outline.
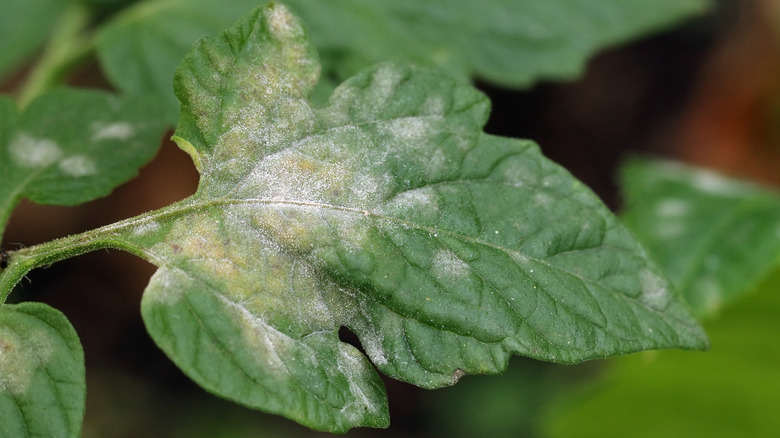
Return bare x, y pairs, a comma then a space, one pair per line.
431, 230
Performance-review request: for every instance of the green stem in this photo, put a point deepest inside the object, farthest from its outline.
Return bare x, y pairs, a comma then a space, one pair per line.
116, 236
69, 43
24, 260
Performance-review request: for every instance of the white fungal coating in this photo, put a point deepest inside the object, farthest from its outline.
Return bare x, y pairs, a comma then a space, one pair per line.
654, 291
112, 131
673, 207
18, 354
77, 166
448, 265
31, 152
283, 23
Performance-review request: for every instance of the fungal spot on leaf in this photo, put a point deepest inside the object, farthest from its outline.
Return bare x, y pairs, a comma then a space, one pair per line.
457, 374
33, 347
434, 106
447, 265
112, 131
78, 165
654, 292
671, 207
148, 228
283, 23
31, 152
386, 79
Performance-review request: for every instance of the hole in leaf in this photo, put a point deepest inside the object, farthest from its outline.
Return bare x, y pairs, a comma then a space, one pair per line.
348, 337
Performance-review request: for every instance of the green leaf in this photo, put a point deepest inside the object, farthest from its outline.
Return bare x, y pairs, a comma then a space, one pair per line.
141, 48
512, 43
72, 146
730, 391
24, 27
508, 42
42, 377
387, 211
715, 237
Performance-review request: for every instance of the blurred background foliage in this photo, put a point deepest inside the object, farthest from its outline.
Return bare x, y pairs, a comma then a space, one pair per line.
706, 91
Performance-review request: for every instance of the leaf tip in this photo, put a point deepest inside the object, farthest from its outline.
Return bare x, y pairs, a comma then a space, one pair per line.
281, 21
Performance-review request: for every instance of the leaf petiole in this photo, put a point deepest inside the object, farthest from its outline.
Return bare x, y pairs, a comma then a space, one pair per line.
22, 261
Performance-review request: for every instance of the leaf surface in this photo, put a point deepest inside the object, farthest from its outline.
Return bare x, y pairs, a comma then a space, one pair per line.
508, 42
72, 146
731, 390
42, 376
24, 26
715, 237
386, 211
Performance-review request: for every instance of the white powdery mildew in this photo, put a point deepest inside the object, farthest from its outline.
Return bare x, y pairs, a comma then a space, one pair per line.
314, 308
166, 287
282, 22
367, 189
418, 200
293, 177
410, 129
31, 152
248, 125
438, 163
386, 79
704, 180
672, 207
654, 292
268, 344
351, 365
17, 354
112, 131
715, 184
77, 166
447, 265
433, 106
543, 199
372, 343
147, 228
254, 127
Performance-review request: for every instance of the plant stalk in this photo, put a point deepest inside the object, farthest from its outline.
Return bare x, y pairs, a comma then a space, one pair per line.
70, 42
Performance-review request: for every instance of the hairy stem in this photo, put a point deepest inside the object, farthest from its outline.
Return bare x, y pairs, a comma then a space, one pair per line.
22, 261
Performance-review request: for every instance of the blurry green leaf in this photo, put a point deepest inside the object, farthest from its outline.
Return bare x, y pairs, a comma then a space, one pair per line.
507, 406
715, 237
24, 27
72, 146
513, 43
42, 380
731, 391
387, 211
142, 47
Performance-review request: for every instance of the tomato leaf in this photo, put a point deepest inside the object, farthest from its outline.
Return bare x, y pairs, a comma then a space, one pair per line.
715, 237
387, 211
72, 146
730, 391
18, 38
42, 376
512, 43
